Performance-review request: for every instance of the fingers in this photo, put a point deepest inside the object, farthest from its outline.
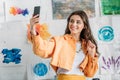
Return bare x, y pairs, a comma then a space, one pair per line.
36, 16
91, 48
90, 44
34, 20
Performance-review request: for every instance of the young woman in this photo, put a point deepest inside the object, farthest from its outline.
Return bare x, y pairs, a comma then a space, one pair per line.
74, 55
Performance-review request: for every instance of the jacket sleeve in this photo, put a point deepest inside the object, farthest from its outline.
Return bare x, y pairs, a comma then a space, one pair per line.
43, 48
91, 67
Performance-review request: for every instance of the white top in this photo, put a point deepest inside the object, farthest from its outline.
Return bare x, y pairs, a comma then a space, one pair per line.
77, 60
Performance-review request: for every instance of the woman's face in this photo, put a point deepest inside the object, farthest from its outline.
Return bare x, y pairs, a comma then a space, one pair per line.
76, 24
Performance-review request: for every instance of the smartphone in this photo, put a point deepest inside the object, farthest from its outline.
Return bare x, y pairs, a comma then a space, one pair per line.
36, 11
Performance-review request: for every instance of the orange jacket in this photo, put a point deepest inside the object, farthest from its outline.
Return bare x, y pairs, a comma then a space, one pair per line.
62, 50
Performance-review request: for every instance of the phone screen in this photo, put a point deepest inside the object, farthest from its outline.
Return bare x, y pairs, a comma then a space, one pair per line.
36, 10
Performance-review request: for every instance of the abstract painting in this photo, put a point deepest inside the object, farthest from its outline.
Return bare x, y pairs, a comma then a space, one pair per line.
62, 8
18, 10
106, 34
110, 7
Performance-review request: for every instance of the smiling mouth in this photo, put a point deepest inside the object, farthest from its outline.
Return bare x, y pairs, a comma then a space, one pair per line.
72, 28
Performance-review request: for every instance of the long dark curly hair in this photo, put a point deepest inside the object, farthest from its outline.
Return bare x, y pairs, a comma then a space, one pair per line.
86, 33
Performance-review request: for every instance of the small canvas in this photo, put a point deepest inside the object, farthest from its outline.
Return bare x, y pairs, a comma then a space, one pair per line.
110, 7
18, 10
40, 69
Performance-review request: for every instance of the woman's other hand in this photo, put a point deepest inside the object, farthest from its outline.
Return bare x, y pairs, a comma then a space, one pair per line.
91, 48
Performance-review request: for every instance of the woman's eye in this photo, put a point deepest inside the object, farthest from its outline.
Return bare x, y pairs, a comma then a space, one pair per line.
72, 21
78, 22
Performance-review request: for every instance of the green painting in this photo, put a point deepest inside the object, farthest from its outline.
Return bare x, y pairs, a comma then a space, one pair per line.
110, 7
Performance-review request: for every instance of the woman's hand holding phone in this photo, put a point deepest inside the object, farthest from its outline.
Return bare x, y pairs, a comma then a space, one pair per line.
33, 21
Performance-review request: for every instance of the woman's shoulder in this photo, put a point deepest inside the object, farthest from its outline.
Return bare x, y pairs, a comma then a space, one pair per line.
60, 36
63, 37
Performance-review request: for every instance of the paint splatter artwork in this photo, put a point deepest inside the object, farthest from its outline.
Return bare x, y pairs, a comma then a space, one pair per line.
17, 11
12, 56
41, 29
40, 69
106, 34
111, 64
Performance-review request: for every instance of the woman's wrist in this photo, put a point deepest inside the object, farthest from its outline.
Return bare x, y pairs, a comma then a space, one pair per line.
31, 27
92, 54
33, 32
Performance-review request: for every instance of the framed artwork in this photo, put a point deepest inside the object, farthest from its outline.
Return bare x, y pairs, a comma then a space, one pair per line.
110, 7
61, 9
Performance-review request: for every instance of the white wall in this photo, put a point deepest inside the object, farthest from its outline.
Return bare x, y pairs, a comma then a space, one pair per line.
13, 35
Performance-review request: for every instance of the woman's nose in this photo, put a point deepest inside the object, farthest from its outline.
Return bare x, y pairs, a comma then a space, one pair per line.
74, 23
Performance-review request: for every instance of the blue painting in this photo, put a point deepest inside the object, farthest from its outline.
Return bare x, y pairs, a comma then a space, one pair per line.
106, 34
40, 69
11, 55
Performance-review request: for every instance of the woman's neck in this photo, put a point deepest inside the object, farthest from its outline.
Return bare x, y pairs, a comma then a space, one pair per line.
76, 37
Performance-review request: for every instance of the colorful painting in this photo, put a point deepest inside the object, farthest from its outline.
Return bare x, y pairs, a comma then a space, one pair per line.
18, 10
42, 29
40, 69
62, 8
106, 34
12, 55
111, 64
110, 7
